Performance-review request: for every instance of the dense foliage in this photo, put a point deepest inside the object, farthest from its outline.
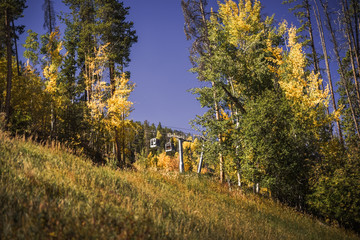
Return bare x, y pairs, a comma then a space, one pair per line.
273, 121
268, 114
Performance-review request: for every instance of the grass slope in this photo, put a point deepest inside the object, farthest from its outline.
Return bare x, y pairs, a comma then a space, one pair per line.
47, 193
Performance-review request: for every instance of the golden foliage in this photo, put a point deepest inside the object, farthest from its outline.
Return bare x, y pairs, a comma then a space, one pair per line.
109, 111
51, 69
240, 19
301, 89
167, 162
119, 106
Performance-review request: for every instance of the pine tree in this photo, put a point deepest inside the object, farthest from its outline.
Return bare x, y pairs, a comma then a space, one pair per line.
327, 65
302, 10
343, 78
82, 22
11, 10
118, 32
49, 15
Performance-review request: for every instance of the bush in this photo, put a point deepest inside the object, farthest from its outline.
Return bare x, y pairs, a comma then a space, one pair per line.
335, 185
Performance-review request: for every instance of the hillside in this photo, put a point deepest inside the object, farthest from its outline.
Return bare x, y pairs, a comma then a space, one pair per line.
48, 193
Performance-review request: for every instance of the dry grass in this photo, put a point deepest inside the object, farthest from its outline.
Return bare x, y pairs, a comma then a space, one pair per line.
48, 193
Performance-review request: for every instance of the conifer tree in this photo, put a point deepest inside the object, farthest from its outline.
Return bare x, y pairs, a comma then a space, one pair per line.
82, 21
49, 15
302, 10
118, 32
11, 10
327, 65
343, 81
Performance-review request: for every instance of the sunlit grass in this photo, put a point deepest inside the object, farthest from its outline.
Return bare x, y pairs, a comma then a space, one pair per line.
45, 192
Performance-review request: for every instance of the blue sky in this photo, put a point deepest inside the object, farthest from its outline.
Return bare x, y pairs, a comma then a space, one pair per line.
160, 60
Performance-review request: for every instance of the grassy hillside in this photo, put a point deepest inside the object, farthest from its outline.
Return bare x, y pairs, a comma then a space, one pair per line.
47, 193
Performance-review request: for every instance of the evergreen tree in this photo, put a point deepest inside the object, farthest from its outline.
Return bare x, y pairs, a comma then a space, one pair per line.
11, 10
302, 10
118, 32
82, 21
49, 15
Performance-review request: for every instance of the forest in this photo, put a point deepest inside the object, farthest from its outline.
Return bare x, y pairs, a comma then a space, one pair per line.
282, 110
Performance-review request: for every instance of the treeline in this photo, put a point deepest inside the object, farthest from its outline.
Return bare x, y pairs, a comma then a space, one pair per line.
74, 87
278, 118
274, 121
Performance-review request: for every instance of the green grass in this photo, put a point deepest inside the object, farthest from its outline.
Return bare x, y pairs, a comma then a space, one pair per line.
47, 193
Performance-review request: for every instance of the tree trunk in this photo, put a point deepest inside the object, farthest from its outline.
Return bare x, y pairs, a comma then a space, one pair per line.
120, 144
118, 148
216, 105
356, 18
351, 40
342, 71
123, 141
221, 157
16, 48
323, 44
313, 50
234, 113
112, 76
353, 67
202, 10
9, 65
217, 117
50, 12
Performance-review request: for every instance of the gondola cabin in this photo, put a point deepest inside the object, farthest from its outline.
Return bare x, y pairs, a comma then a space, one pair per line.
154, 142
169, 147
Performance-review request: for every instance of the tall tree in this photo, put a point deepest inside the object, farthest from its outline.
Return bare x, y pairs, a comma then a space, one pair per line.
52, 61
341, 67
32, 48
11, 10
118, 32
49, 15
119, 109
82, 20
196, 29
302, 11
353, 53
17, 30
327, 65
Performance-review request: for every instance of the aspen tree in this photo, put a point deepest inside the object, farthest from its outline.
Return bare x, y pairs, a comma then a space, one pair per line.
51, 72
196, 20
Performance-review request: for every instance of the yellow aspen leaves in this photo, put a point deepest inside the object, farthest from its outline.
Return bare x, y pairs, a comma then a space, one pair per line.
93, 74
51, 69
303, 90
108, 110
239, 20
119, 106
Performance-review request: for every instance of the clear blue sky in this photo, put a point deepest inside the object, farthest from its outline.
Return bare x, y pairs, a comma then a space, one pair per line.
159, 61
